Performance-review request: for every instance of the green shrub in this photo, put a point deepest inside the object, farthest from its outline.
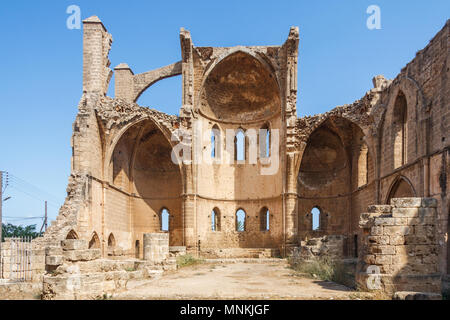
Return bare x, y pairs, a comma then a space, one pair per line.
187, 260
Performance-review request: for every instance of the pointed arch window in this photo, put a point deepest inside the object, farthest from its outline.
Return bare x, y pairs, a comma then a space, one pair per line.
111, 241
239, 145
315, 214
94, 243
215, 220
240, 220
400, 130
164, 219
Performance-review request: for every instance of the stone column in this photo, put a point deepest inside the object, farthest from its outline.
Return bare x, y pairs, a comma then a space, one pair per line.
96, 45
291, 203
124, 82
156, 246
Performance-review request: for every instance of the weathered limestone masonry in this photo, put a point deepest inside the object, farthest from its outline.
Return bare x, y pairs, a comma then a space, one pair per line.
392, 143
156, 246
76, 272
327, 246
400, 245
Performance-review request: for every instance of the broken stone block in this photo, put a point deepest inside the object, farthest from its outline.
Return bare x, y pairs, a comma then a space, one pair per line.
74, 244
397, 230
379, 209
406, 202
53, 251
82, 255
53, 260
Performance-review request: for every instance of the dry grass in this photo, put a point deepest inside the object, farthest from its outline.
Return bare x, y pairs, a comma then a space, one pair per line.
188, 260
323, 268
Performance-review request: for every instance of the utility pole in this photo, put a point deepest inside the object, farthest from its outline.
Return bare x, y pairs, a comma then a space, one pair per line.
44, 225
45, 219
1, 221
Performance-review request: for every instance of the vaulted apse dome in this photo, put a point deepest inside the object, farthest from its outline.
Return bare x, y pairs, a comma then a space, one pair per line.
240, 88
324, 159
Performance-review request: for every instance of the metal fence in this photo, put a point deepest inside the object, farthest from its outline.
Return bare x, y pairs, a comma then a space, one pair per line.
15, 259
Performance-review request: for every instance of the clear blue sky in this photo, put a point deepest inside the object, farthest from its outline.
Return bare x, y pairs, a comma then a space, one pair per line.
41, 60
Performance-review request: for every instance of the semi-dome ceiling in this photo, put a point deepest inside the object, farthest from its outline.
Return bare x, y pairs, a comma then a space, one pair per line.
238, 89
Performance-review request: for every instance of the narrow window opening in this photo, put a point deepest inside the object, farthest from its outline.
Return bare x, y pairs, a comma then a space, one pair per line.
240, 220
239, 145
400, 129
265, 219
111, 241
215, 142
165, 216
137, 249
215, 220
315, 213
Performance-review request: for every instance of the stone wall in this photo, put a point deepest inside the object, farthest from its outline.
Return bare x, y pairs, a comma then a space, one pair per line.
400, 250
331, 246
76, 272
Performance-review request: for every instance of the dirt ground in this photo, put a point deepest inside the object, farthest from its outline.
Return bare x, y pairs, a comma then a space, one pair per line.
235, 281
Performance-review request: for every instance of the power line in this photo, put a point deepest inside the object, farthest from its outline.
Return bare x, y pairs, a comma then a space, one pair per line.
32, 194
30, 188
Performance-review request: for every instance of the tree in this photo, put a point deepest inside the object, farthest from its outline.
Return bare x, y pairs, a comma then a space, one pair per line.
11, 231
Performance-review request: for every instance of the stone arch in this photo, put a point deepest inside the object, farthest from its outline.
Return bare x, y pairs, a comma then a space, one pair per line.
72, 235
111, 241
94, 243
239, 86
125, 128
326, 176
416, 109
401, 187
143, 81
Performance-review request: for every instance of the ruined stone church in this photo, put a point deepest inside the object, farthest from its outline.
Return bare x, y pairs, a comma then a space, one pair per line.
392, 143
